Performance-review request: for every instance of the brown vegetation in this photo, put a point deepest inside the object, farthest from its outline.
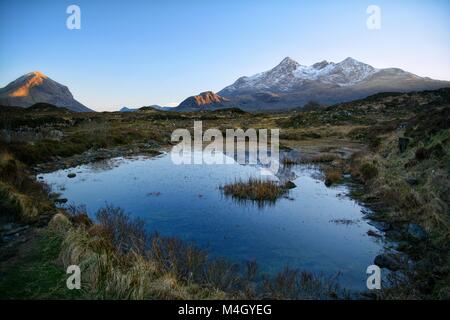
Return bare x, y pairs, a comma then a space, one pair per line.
255, 189
332, 176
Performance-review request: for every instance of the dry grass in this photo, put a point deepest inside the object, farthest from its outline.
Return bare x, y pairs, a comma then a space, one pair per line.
119, 261
168, 268
386, 175
255, 189
332, 176
325, 157
21, 196
289, 161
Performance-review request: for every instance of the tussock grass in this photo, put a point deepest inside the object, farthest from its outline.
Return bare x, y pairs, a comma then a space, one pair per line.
168, 268
255, 189
386, 175
21, 197
332, 176
324, 157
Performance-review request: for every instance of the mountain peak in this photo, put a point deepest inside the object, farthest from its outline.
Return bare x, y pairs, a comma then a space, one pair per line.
288, 63
23, 84
325, 82
37, 74
350, 59
35, 87
207, 98
288, 60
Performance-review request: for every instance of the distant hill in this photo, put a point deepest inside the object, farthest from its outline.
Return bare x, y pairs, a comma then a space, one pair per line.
205, 100
126, 109
154, 106
158, 107
35, 87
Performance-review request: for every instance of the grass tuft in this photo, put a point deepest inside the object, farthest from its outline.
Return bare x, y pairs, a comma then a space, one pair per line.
332, 176
259, 190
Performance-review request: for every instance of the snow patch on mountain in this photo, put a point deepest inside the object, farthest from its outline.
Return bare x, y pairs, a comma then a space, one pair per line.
290, 74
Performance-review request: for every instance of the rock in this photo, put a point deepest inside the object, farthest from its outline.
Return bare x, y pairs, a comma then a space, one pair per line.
412, 181
372, 233
289, 185
366, 211
380, 225
16, 231
388, 261
415, 231
60, 200
7, 227
71, 175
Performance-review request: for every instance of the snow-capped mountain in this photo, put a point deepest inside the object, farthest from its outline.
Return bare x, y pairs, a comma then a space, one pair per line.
35, 87
291, 84
289, 75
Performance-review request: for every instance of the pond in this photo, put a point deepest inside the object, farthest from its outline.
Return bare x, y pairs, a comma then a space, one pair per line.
315, 228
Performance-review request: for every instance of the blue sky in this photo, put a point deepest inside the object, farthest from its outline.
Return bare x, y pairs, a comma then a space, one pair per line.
135, 53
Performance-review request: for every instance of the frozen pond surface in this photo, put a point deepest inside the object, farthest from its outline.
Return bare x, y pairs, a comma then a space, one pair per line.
185, 201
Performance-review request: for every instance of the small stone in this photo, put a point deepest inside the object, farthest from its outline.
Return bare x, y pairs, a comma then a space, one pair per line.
412, 181
290, 185
71, 175
372, 233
